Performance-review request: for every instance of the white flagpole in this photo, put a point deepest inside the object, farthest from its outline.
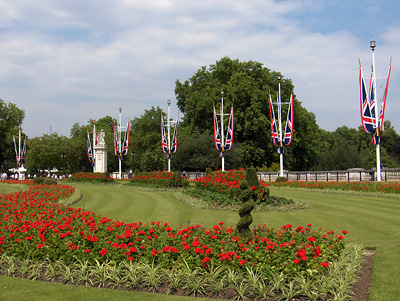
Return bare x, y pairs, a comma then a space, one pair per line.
280, 124
93, 149
119, 135
378, 146
222, 130
168, 133
19, 153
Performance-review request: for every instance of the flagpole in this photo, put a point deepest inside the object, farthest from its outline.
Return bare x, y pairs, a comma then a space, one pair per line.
222, 130
378, 148
19, 153
280, 124
168, 133
94, 144
119, 134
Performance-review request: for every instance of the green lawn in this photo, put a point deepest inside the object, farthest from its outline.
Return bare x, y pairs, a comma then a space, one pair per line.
372, 221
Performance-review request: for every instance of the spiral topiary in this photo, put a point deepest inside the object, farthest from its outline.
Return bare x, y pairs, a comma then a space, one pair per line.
251, 177
247, 197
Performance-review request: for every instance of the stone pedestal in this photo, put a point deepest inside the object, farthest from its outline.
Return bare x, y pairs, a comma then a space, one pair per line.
101, 153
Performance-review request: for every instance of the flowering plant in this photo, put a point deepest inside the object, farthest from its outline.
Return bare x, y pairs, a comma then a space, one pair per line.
100, 177
160, 178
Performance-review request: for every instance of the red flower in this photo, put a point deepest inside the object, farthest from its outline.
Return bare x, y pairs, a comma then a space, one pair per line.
325, 264
87, 250
296, 261
103, 252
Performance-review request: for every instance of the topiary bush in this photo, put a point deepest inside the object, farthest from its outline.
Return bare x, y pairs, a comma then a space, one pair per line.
247, 197
251, 178
38, 180
50, 181
208, 171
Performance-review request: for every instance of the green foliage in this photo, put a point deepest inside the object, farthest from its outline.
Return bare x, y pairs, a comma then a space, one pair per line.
38, 180
50, 181
95, 177
281, 179
10, 118
247, 197
160, 179
208, 171
146, 140
252, 178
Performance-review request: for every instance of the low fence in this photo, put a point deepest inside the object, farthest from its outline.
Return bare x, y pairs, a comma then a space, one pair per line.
387, 174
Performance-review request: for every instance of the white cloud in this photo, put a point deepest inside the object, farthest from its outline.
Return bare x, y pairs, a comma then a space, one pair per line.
69, 61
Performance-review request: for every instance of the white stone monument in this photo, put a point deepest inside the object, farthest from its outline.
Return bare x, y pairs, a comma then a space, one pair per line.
101, 153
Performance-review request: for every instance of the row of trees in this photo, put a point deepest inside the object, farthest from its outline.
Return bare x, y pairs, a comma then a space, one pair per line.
246, 86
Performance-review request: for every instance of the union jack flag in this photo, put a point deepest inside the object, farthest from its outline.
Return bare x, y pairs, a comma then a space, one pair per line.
289, 124
174, 145
89, 149
126, 141
164, 142
229, 133
274, 128
367, 106
217, 136
23, 153
116, 142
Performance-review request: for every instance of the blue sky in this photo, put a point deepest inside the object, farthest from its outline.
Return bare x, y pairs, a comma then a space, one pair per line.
67, 61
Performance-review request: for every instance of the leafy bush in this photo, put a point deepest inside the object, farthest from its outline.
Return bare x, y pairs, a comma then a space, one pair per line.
281, 179
38, 180
160, 179
50, 181
251, 177
97, 177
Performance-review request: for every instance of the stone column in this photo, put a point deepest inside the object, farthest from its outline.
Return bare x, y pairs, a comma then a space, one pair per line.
101, 153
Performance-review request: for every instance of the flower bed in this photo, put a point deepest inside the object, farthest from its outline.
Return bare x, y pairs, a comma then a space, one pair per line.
385, 187
34, 225
24, 182
99, 177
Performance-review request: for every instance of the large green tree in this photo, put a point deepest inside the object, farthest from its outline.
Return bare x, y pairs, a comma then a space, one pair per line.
246, 86
146, 137
10, 118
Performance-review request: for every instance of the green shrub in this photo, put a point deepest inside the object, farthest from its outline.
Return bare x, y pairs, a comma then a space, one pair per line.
281, 179
251, 177
247, 197
50, 181
38, 180
208, 171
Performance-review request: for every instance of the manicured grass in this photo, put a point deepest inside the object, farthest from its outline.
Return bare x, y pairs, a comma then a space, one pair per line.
372, 221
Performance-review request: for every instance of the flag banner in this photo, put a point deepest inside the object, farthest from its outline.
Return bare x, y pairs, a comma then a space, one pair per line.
89, 149
164, 142
116, 142
217, 136
126, 141
382, 111
229, 133
16, 152
23, 152
174, 145
289, 124
367, 112
274, 128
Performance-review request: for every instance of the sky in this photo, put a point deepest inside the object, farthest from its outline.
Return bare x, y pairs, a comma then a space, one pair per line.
69, 61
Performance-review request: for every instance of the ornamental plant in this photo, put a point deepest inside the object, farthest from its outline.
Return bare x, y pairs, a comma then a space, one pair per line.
95, 177
247, 197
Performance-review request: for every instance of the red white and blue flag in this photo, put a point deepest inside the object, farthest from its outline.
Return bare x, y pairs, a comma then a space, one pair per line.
89, 150
164, 142
367, 106
289, 123
116, 142
125, 145
229, 133
174, 145
217, 135
274, 128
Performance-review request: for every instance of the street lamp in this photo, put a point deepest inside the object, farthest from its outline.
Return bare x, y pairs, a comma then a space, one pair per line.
373, 44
